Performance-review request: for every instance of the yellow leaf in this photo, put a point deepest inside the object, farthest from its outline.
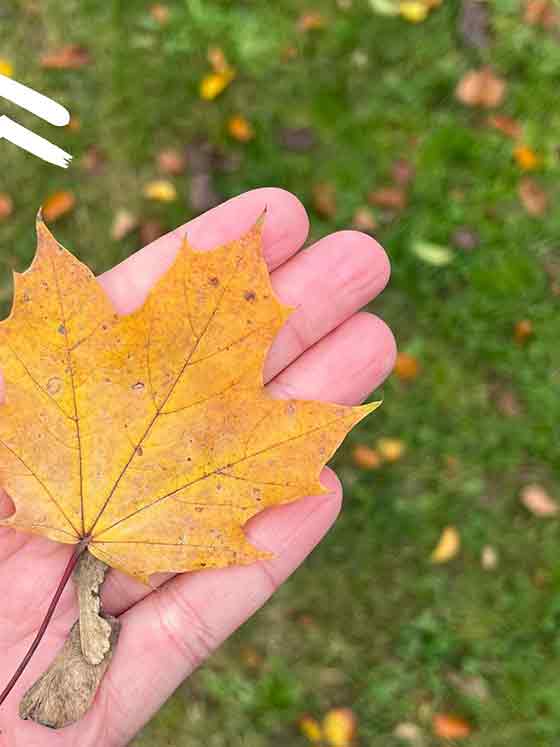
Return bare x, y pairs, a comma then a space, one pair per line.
150, 436
391, 449
310, 728
160, 190
6, 67
448, 546
414, 11
339, 727
526, 158
213, 84
240, 129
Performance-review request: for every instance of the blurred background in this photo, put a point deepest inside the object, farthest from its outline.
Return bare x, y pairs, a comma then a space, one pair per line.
430, 614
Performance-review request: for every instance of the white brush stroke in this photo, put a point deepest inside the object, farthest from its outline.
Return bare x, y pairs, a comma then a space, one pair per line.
42, 107
35, 144
34, 102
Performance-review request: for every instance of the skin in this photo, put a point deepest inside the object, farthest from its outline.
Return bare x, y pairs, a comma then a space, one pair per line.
328, 350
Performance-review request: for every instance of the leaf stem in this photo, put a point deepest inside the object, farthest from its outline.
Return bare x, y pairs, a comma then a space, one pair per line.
78, 551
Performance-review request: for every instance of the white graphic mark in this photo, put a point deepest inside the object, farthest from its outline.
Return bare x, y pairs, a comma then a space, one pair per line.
41, 106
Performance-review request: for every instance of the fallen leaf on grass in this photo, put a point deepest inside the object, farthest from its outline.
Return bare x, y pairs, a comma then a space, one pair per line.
324, 199
365, 457
489, 558
311, 20
6, 67
93, 160
124, 223
58, 205
506, 125
526, 157
171, 161
160, 190
431, 253
391, 449
533, 197
389, 197
160, 13
481, 88
407, 367
543, 13
364, 220
385, 7
339, 727
6, 205
449, 726
465, 238
213, 84
69, 57
403, 172
414, 11
523, 330
183, 444
240, 128
471, 686
447, 547
410, 733
150, 230
311, 729
538, 501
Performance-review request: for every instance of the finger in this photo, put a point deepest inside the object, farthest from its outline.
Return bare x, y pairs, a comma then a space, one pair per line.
343, 367
284, 231
326, 283
172, 631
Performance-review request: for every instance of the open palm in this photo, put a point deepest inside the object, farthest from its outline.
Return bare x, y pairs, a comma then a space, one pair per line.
328, 350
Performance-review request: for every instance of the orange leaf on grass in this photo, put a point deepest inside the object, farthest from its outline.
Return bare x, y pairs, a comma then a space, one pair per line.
538, 501
69, 57
523, 330
449, 726
533, 197
365, 457
172, 161
6, 205
481, 88
240, 128
58, 205
506, 125
406, 367
526, 157
389, 197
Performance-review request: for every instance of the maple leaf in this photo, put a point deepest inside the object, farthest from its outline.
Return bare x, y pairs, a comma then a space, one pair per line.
150, 437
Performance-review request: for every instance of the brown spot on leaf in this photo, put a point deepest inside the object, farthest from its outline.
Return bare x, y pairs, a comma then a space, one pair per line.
250, 296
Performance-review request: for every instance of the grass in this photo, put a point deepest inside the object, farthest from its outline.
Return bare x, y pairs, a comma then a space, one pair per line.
368, 622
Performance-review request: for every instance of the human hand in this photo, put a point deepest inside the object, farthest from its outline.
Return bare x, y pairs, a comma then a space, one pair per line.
326, 351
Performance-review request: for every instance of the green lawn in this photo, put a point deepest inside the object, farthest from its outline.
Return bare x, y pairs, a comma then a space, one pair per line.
368, 622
